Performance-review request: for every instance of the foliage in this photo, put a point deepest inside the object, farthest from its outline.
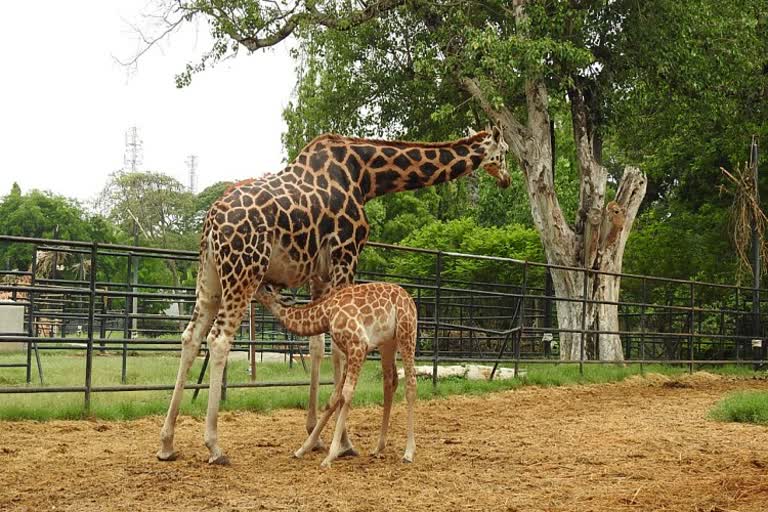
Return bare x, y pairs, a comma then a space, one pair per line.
203, 201
676, 87
157, 204
670, 240
698, 70
45, 215
465, 236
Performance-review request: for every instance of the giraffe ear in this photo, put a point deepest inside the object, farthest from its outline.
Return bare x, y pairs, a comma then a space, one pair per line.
496, 134
472, 131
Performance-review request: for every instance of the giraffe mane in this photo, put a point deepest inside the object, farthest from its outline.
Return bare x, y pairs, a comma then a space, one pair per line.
334, 137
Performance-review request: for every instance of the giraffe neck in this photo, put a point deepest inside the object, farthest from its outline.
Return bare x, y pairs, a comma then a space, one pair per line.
308, 320
382, 167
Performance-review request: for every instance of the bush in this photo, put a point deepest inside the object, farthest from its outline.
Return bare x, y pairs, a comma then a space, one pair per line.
743, 407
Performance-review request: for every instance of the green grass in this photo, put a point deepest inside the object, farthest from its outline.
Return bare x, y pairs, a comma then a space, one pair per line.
743, 407
69, 370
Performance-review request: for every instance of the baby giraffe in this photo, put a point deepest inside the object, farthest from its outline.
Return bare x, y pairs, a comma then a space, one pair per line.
359, 318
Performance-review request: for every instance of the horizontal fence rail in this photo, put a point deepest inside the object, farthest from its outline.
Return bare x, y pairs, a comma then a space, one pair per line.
107, 300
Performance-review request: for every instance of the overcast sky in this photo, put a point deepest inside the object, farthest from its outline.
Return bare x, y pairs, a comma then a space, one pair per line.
65, 104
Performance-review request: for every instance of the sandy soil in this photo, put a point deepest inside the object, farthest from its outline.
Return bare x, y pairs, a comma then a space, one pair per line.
637, 445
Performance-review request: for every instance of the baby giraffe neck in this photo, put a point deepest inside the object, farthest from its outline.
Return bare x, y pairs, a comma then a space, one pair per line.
309, 320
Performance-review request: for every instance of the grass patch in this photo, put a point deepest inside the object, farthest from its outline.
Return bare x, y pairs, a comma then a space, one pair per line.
743, 407
160, 368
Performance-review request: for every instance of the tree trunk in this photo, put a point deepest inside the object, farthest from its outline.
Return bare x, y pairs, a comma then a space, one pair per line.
598, 317
596, 239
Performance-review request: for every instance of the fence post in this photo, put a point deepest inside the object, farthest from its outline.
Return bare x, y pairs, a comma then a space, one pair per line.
252, 336
31, 345
521, 319
583, 321
642, 326
126, 322
418, 311
691, 330
134, 283
737, 326
91, 314
103, 326
436, 340
756, 243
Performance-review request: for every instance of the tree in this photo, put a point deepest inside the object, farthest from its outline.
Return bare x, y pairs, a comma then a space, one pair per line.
427, 70
204, 199
156, 203
699, 92
158, 206
39, 214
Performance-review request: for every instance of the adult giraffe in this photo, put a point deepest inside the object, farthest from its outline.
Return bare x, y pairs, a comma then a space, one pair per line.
305, 224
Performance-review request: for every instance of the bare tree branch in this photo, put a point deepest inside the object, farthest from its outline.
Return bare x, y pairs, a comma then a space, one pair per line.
514, 131
149, 42
593, 174
312, 15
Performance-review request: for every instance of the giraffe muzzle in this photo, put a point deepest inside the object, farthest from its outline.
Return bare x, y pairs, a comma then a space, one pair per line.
502, 176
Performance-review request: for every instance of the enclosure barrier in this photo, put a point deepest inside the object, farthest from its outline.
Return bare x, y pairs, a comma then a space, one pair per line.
126, 300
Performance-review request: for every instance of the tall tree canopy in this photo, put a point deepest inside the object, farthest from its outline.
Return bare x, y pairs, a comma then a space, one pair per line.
427, 70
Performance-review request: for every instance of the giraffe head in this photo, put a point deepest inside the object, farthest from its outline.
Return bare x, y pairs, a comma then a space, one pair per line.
495, 159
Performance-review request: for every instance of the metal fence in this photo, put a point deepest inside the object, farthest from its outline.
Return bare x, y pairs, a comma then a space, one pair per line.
125, 300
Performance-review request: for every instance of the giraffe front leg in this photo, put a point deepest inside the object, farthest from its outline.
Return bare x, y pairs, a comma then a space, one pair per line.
316, 350
314, 437
354, 365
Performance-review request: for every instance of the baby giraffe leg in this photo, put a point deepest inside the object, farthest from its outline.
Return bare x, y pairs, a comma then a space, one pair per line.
339, 375
389, 372
355, 357
408, 357
314, 436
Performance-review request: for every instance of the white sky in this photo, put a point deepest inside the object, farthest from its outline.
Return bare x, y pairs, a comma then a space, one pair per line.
65, 103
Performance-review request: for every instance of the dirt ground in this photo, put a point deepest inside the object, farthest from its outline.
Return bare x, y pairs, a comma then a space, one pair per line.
636, 445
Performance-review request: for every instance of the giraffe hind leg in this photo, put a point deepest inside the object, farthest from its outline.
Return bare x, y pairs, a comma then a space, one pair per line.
238, 282
389, 371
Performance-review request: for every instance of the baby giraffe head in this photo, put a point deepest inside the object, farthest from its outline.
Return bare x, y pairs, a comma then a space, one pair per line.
268, 294
495, 158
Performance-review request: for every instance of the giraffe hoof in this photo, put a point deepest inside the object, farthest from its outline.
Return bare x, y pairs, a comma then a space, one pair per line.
319, 446
167, 457
326, 464
377, 454
408, 460
221, 460
349, 452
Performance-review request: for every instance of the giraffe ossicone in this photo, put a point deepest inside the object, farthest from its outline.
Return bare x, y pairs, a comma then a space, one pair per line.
304, 225
360, 318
